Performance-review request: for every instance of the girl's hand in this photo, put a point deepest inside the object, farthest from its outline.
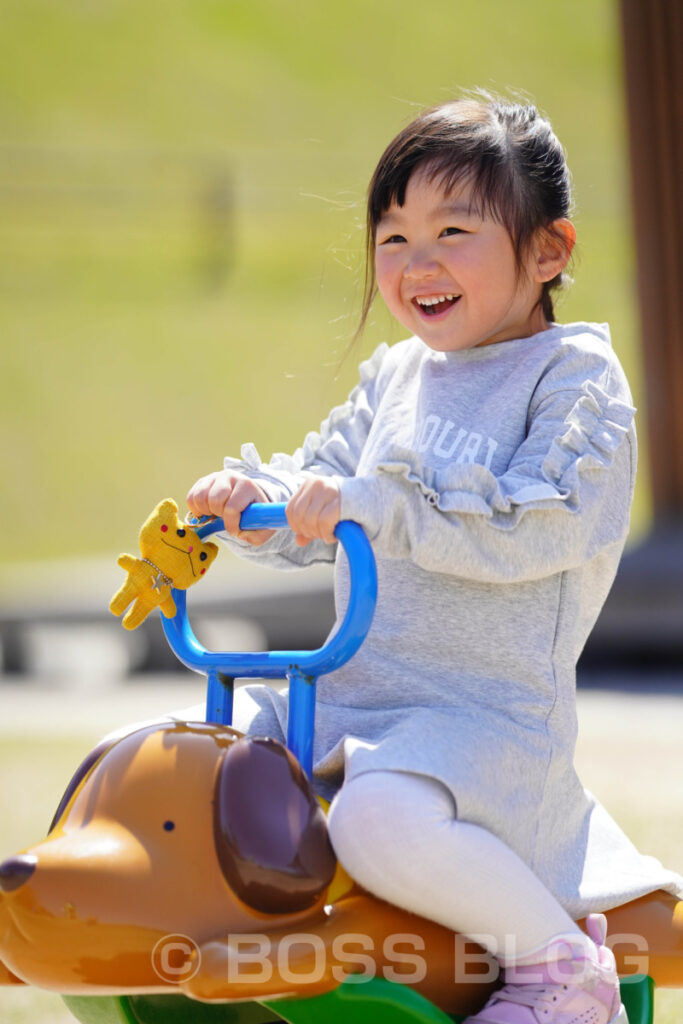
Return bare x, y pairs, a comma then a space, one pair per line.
226, 495
314, 511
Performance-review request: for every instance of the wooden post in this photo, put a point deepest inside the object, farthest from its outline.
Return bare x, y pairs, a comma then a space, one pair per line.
653, 63
641, 626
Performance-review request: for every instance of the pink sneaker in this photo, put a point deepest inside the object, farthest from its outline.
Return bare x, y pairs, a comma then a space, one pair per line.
567, 986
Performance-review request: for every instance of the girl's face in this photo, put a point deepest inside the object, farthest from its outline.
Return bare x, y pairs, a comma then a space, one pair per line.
449, 274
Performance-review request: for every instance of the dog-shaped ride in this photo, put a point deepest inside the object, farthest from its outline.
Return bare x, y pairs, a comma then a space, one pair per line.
187, 840
186, 858
189, 829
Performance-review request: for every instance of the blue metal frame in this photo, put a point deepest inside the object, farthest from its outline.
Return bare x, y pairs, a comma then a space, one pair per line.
301, 668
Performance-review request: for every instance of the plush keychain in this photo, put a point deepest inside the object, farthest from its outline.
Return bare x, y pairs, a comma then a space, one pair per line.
172, 556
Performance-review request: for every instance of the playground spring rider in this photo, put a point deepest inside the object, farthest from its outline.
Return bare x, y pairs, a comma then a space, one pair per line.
187, 875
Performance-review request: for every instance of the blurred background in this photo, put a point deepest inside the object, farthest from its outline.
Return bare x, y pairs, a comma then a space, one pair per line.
181, 213
181, 267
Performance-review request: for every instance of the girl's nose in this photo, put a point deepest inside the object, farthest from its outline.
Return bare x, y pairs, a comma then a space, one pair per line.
16, 870
421, 266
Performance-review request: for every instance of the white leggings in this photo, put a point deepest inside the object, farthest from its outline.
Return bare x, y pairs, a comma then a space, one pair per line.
397, 834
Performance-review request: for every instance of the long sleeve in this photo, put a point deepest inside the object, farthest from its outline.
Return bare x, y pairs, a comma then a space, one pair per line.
563, 496
334, 450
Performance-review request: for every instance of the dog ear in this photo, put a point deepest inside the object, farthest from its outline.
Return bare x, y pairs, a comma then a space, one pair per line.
84, 769
270, 831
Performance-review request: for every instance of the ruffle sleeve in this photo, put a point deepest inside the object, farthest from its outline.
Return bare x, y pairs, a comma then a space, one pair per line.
596, 427
565, 494
334, 450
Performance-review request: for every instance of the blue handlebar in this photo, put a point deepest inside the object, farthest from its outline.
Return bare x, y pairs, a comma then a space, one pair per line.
301, 668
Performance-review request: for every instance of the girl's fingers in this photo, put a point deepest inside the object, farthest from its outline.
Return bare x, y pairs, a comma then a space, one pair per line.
226, 495
314, 511
294, 511
219, 495
321, 519
197, 497
231, 505
242, 494
210, 493
328, 521
301, 514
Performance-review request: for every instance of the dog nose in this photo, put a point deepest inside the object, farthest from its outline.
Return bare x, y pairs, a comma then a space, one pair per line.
16, 870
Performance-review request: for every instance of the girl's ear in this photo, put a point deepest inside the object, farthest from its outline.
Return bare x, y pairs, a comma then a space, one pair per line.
553, 249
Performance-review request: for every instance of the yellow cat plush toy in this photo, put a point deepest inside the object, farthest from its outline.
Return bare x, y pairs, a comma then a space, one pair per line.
172, 556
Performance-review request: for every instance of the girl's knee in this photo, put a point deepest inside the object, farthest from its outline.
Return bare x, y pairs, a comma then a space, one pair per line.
374, 807
355, 809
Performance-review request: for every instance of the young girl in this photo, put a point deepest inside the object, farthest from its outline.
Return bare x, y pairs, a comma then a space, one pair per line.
491, 460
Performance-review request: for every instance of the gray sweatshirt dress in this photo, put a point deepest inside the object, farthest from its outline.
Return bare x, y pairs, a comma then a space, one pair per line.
495, 485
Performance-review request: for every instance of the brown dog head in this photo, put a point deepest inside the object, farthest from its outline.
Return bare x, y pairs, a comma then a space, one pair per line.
185, 828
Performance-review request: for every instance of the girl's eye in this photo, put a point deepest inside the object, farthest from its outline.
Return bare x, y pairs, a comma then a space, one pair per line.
452, 231
392, 240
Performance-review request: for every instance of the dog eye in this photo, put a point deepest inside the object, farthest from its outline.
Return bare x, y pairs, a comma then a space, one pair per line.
169, 826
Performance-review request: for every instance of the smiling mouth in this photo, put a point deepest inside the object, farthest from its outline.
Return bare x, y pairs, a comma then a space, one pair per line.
432, 305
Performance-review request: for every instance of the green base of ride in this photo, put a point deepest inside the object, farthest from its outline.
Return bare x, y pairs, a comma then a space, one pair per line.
370, 1002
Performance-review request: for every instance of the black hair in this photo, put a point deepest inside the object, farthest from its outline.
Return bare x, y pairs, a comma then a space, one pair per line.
508, 153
